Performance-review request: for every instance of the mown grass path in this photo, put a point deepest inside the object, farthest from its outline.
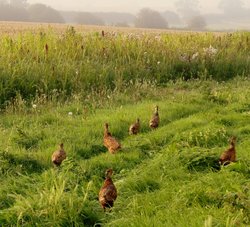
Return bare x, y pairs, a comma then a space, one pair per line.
165, 177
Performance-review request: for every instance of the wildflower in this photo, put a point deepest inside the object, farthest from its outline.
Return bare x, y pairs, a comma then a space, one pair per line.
70, 113
184, 57
158, 63
114, 34
158, 37
34, 106
211, 51
195, 55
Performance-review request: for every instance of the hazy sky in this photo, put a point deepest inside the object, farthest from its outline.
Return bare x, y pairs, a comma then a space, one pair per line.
133, 6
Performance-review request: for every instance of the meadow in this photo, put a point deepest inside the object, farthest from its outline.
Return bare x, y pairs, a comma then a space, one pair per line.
63, 86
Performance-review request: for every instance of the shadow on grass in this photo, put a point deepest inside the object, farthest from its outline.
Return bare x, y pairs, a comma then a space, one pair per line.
15, 163
91, 151
201, 161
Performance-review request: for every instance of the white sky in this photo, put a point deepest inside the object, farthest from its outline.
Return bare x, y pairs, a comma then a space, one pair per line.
133, 6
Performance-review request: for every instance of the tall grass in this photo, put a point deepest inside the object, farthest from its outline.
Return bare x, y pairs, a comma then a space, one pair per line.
71, 63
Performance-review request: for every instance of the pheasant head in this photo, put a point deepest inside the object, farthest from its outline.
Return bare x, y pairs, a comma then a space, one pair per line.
109, 173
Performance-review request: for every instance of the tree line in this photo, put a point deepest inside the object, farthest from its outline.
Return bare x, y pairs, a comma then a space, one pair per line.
187, 15
20, 10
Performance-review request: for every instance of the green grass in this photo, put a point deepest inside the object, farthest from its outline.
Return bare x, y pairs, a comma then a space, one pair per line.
88, 63
165, 177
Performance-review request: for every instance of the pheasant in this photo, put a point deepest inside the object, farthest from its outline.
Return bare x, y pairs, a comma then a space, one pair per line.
58, 156
134, 128
109, 141
155, 119
108, 192
229, 155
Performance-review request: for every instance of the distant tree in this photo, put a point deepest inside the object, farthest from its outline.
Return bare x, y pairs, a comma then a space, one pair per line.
43, 13
197, 23
11, 13
112, 18
88, 19
172, 18
148, 18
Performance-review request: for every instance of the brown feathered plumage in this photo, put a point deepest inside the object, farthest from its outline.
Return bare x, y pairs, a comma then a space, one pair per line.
109, 141
229, 155
58, 156
155, 119
108, 192
134, 128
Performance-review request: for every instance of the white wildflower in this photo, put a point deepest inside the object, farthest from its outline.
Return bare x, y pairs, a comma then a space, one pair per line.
158, 63
34, 106
158, 37
210, 50
184, 57
70, 113
195, 55
114, 34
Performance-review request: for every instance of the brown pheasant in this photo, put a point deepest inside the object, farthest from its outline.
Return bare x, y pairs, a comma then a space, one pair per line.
155, 119
109, 141
58, 156
134, 128
108, 192
229, 155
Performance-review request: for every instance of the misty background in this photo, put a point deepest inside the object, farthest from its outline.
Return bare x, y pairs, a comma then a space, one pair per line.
175, 14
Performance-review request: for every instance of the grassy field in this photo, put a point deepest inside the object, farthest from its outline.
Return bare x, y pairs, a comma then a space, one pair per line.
166, 177
71, 63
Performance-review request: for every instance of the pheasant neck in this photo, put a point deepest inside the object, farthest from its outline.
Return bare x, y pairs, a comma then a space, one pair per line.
108, 181
106, 131
232, 146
